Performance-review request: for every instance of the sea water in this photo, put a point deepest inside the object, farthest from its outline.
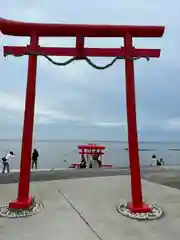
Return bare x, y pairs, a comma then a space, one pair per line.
60, 154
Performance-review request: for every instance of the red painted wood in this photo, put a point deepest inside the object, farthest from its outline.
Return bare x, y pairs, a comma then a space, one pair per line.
16, 28
91, 52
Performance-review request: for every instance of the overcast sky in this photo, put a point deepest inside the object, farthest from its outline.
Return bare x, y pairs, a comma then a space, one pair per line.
78, 102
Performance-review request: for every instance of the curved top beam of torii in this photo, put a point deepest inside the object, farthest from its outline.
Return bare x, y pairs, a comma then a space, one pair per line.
17, 28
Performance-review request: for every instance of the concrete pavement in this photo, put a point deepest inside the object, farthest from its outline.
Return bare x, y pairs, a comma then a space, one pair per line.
85, 209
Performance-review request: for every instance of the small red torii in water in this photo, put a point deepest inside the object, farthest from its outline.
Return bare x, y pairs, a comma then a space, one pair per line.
87, 150
79, 52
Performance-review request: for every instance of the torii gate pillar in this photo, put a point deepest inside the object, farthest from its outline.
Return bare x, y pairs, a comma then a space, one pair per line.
137, 204
23, 199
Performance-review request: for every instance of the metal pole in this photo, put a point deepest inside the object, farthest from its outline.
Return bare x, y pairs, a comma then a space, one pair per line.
23, 199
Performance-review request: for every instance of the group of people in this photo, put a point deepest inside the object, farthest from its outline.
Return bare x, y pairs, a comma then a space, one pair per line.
95, 160
156, 162
6, 159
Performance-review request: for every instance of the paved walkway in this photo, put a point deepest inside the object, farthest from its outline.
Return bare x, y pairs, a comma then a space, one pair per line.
85, 209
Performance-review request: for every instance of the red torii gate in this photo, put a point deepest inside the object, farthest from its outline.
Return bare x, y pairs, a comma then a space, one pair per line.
79, 52
88, 151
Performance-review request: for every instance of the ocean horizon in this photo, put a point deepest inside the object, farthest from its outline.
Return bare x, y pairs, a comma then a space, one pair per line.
60, 153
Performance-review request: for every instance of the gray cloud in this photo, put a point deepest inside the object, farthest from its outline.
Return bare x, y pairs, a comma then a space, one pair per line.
90, 97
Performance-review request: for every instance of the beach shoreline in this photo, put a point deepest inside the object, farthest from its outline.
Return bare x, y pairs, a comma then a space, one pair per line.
167, 175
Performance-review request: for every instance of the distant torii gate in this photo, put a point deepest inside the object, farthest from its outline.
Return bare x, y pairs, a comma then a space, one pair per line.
88, 150
79, 52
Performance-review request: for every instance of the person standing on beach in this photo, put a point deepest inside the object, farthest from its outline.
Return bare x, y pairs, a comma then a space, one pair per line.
5, 161
162, 162
83, 162
153, 161
35, 156
96, 160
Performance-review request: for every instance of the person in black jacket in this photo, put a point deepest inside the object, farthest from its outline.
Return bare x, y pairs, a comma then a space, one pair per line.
162, 162
83, 162
35, 156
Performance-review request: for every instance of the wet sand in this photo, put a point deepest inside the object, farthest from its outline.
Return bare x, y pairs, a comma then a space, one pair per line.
42, 175
169, 176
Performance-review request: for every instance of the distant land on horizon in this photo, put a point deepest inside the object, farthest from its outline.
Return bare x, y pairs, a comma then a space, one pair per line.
88, 140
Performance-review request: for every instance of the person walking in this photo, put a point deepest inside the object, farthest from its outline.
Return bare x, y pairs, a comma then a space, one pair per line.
5, 161
35, 156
